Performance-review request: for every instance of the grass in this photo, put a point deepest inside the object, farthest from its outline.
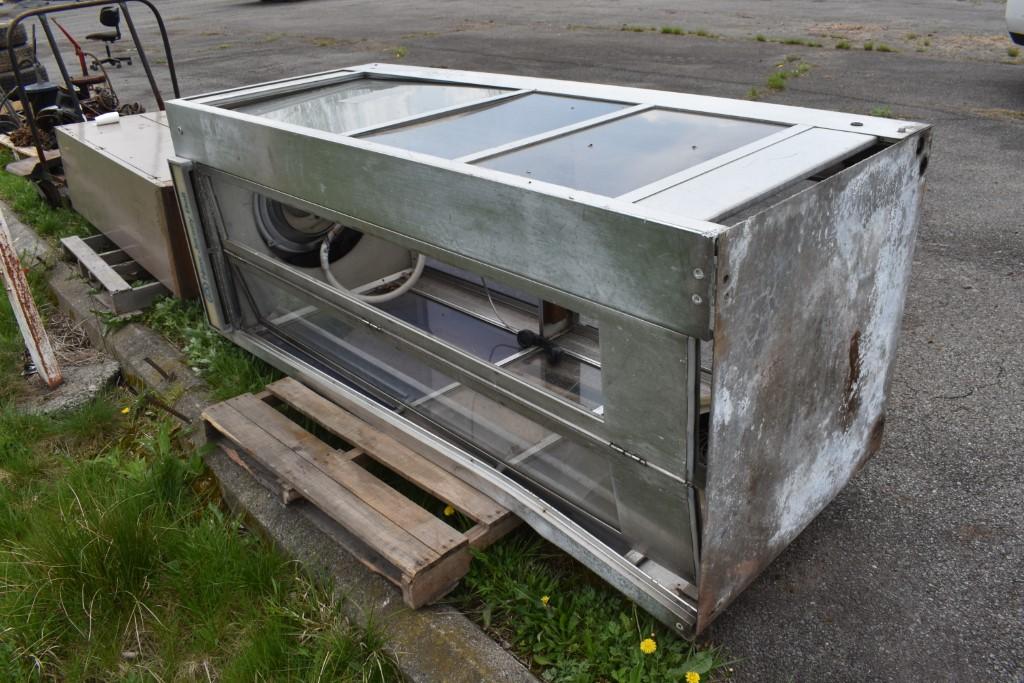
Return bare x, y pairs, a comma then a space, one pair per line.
583, 631
843, 45
806, 42
1013, 52
882, 47
226, 368
884, 111
679, 31
637, 28
869, 45
117, 564
800, 41
33, 210
776, 81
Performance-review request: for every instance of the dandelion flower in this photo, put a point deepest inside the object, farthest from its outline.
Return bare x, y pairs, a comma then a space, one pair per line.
648, 646
126, 410
449, 511
692, 677
544, 599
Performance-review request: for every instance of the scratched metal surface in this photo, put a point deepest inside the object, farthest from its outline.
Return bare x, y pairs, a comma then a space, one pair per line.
808, 307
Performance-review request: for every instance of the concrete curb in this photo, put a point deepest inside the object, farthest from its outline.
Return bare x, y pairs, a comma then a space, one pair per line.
437, 644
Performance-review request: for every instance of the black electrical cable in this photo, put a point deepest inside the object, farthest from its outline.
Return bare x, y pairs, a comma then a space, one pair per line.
528, 338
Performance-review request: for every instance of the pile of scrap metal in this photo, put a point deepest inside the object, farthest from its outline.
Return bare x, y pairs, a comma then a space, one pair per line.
33, 106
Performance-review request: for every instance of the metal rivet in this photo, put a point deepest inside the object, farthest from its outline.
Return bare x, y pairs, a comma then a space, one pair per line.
680, 626
857, 123
180, 131
698, 273
697, 299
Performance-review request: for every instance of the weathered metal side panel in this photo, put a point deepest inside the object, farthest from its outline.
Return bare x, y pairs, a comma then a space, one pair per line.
808, 306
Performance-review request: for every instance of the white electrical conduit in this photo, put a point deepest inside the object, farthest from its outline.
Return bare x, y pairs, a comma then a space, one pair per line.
325, 264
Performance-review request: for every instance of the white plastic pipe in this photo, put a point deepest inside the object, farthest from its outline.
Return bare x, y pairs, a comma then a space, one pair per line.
325, 265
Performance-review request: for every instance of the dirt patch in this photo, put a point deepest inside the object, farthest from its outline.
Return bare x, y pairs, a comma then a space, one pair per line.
990, 47
855, 32
1001, 114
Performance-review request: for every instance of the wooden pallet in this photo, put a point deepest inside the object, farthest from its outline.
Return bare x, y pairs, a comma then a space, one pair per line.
113, 271
393, 535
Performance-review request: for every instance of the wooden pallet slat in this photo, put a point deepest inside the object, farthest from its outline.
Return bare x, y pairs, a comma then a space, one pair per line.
431, 478
397, 546
368, 488
383, 528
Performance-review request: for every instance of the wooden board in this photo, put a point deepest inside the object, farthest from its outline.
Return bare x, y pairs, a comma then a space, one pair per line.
438, 482
389, 533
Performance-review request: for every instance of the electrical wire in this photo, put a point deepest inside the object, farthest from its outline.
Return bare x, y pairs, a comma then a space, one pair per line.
487, 290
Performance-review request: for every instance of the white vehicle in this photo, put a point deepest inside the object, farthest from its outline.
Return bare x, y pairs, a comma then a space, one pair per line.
1015, 20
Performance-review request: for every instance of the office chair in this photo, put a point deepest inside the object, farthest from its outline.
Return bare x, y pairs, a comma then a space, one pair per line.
109, 16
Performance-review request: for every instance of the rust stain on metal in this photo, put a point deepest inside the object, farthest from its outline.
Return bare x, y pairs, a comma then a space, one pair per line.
851, 401
874, 441
25, 311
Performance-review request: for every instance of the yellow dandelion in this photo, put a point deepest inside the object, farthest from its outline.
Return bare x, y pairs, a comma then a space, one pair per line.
126, 410
648, 646
544, 600
449, 511
692, 677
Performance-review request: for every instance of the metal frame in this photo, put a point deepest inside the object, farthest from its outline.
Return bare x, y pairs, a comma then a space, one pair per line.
651, 279
242, 145
42, 12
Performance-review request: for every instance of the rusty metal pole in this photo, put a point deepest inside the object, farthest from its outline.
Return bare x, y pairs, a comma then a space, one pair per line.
25, 309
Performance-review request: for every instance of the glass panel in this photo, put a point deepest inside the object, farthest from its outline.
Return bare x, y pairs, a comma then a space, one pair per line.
616, 157
470, 334
558, 464
358, 355
569, 378
464, 133
364, 102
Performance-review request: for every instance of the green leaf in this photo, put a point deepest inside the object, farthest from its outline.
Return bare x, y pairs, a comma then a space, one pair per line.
701, 662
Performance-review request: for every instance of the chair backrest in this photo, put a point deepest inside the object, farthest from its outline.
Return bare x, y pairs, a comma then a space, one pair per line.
110, 16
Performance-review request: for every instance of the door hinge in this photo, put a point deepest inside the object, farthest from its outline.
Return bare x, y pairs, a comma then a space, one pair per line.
632, 456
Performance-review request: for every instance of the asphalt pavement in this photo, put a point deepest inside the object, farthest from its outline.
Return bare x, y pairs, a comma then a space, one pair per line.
914, 573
